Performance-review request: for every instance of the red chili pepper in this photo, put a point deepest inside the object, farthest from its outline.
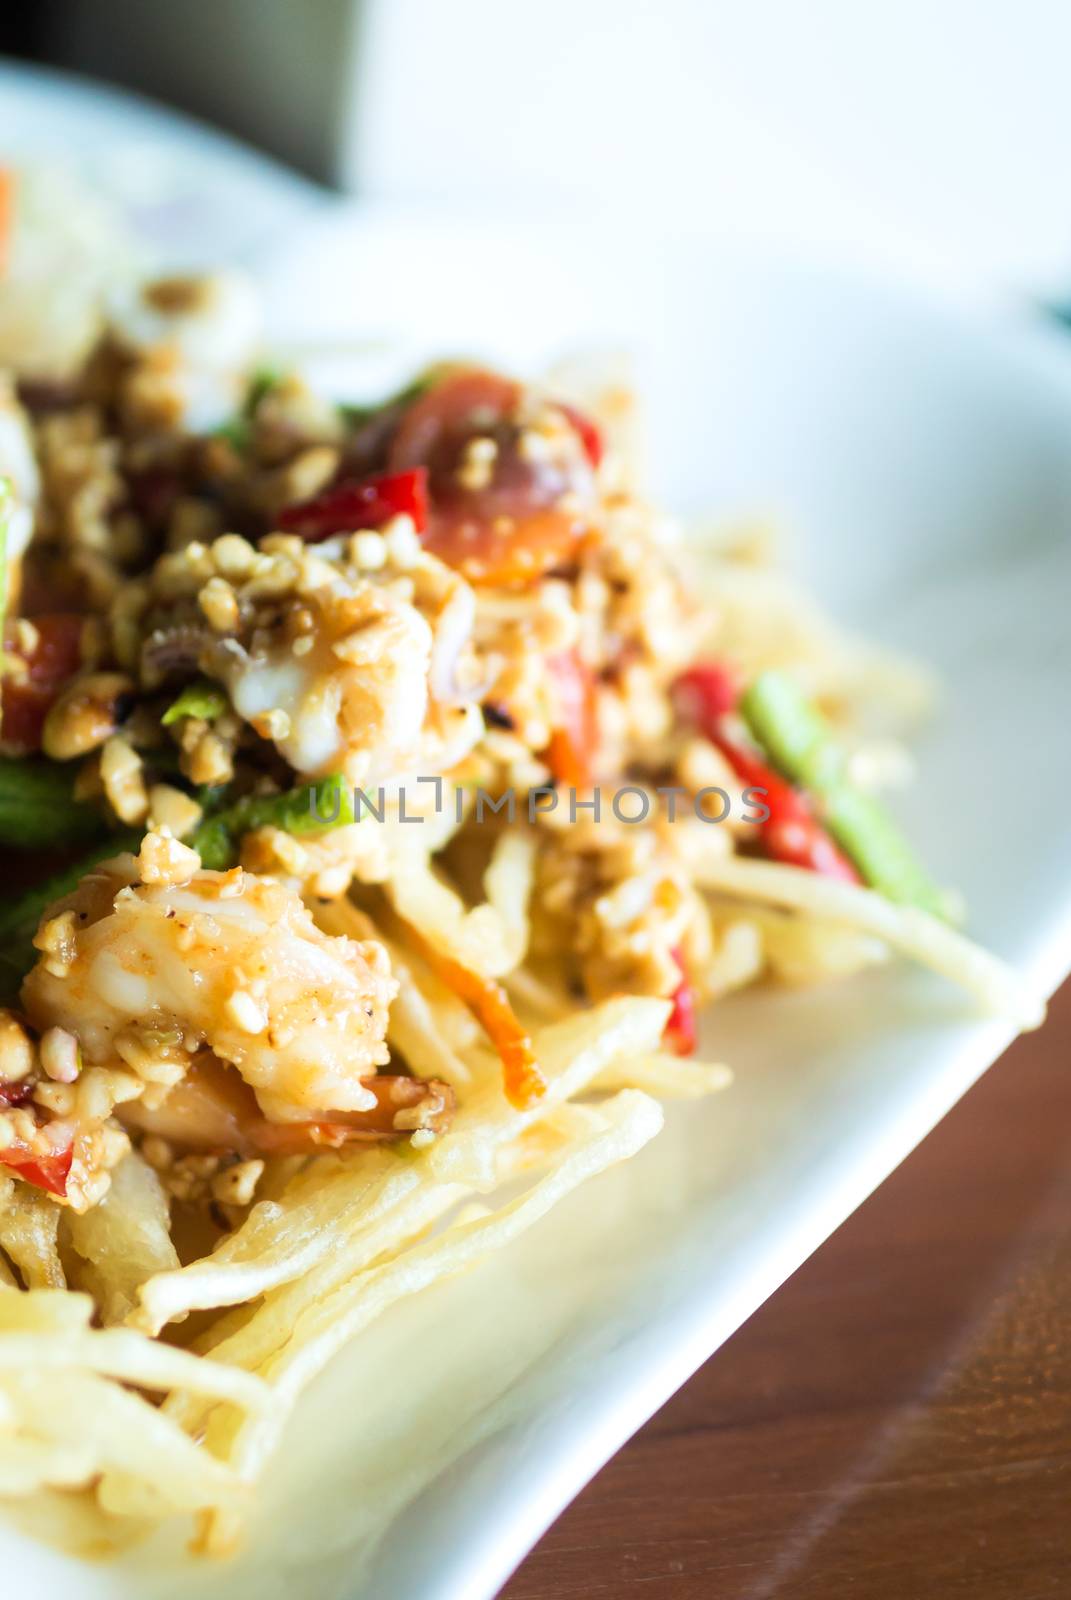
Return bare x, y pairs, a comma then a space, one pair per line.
791, 833
55, 657
44, 1172
589, 433
363, 503
705, 693
681, 1032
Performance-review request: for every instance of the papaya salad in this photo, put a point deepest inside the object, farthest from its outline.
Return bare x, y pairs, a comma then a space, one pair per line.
384, 792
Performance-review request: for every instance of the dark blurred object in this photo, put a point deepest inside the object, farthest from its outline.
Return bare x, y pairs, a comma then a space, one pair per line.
20, 30
275, 72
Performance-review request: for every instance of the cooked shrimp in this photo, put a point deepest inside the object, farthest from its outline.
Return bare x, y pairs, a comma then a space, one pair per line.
150, 961
213, 1110
212, 321
354, 695
18, 465
190, 341
353, 656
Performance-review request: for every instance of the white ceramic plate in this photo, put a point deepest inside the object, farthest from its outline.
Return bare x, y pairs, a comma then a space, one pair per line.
923, 459
193, 194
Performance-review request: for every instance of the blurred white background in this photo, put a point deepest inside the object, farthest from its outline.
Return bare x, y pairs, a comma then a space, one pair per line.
934, 127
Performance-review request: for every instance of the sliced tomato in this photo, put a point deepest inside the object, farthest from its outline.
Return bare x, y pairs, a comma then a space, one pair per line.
57, 650
507, 552
572, 741
55, 657
525, 511
25, 707
451, 412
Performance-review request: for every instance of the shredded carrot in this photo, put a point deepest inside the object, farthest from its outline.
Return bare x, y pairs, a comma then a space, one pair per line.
489, 1004
572, 740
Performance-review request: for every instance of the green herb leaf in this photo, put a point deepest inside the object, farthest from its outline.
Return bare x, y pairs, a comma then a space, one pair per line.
38, 808
202, 698
357, 415
237, 430
310, 809
261, 383
21, 916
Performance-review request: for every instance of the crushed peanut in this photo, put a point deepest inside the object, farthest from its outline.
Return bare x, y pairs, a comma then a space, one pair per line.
219, 605
368, 551
172, 809
122, 778
16, 1049
163, 859
59, 1055
56, 940
236, 1185
402, 541
245, 1013
86, 714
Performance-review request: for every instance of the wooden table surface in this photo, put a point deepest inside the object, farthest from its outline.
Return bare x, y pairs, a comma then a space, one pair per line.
895, 1424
